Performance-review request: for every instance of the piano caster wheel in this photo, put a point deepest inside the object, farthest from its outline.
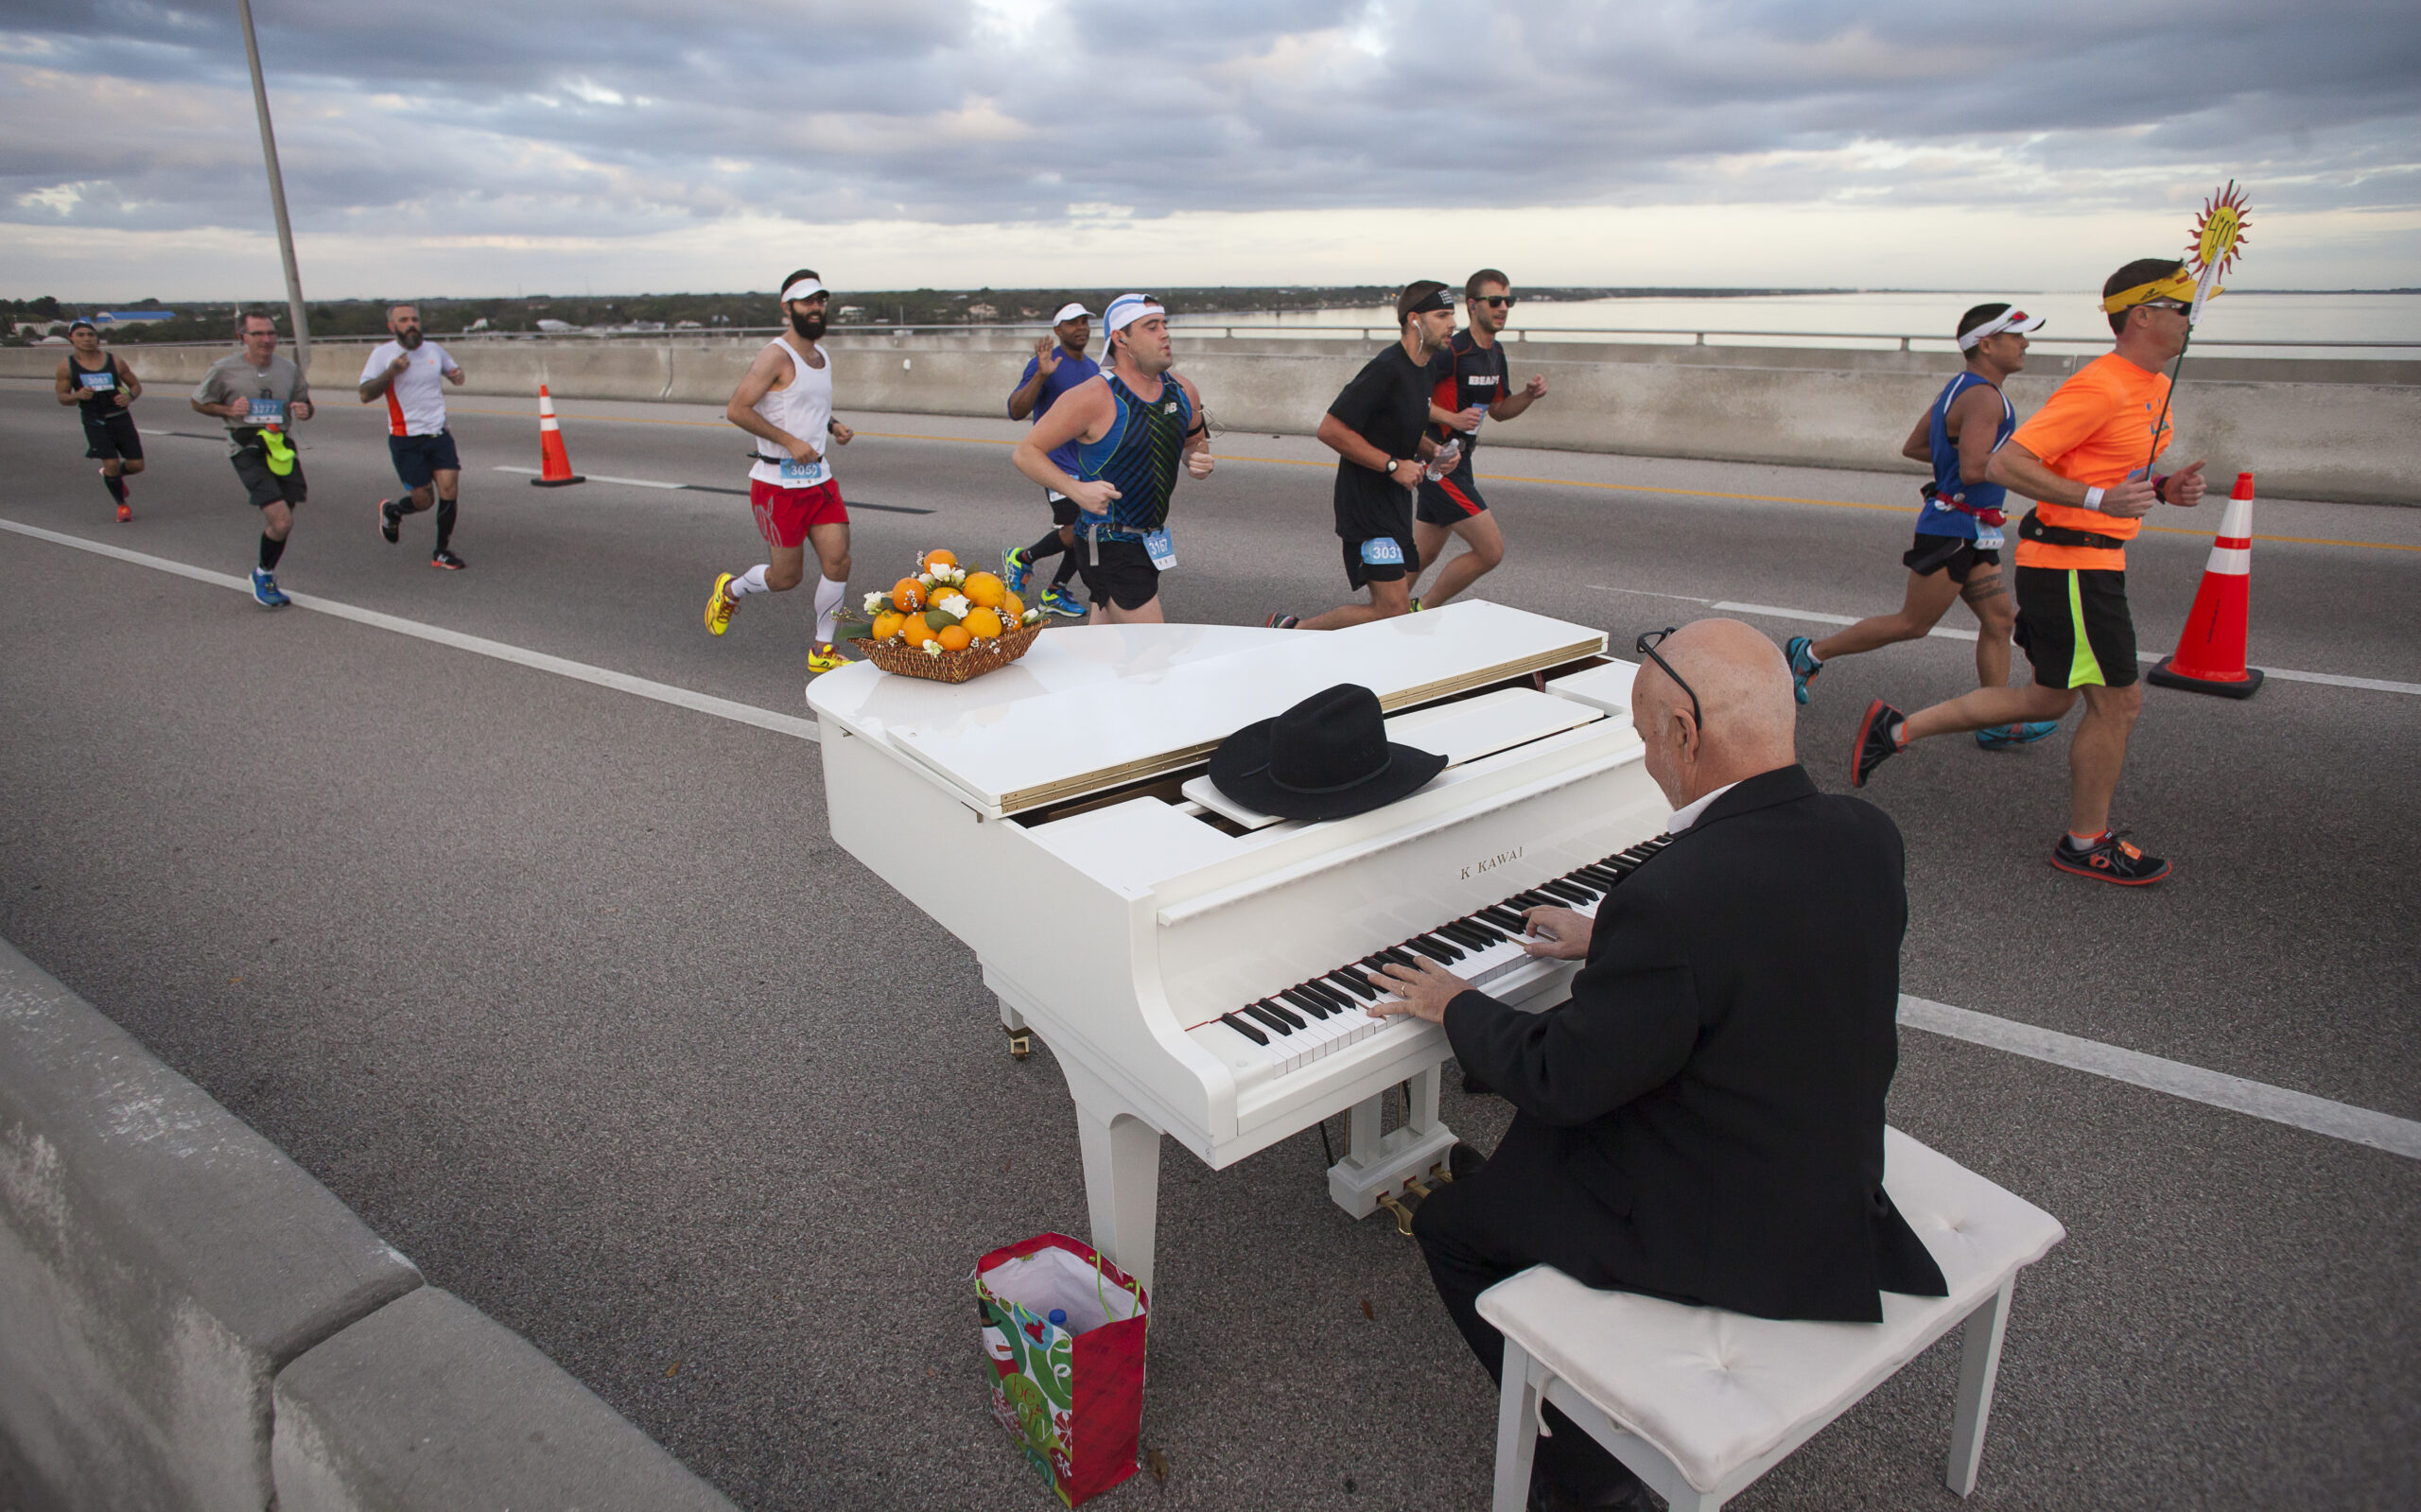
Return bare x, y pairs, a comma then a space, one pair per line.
1402, 1213
1020, 1044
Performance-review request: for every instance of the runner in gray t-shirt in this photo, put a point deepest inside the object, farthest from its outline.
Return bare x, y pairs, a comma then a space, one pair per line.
260, 396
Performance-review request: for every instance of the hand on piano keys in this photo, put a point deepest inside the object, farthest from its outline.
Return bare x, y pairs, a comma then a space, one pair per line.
1422, 989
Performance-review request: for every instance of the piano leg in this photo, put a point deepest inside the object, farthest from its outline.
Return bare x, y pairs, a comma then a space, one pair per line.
1122, 1187
1020, 1044
1378, 1165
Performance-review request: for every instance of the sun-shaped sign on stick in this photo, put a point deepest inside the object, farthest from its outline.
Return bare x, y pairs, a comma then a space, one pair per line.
2219, 238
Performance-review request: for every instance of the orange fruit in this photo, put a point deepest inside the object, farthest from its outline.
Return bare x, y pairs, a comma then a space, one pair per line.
955, 638
1012, 607
986, 589
937, 558
918, 635
887, 625
907, 594
982, 624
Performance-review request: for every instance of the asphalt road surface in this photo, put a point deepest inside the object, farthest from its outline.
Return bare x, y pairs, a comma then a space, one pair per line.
571, 995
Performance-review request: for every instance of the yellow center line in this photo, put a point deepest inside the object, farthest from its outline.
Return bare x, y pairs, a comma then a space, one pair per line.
1506, 478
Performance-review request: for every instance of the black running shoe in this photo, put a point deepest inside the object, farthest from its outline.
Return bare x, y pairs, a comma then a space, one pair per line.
1282, 621
390, 528
447, 560
1875, 744
2110, 859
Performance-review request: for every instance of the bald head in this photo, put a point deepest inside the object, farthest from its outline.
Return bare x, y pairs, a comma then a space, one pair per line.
1744, 699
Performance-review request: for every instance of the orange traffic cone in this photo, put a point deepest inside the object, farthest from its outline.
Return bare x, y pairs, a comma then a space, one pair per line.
2210, 655
554, 464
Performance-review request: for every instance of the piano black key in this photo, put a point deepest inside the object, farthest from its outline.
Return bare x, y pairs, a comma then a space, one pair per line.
1262, 1011
1328, 997
1342, 998
1479, 936
1510, 918
1245, 1029
1438, 946
1303, 1003
1355, 985
1456, 936
1400, 956
1535, 900
1599, 876
1565, 892
1294, 1021
1576, 880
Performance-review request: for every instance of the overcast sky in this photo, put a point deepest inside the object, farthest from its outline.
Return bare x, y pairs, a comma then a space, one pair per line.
459, 148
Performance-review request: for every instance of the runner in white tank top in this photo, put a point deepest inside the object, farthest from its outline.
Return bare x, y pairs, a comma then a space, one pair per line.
786, 403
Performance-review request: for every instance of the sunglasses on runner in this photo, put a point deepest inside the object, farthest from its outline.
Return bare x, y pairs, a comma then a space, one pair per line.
2178, 306
1646, 646
1496, 302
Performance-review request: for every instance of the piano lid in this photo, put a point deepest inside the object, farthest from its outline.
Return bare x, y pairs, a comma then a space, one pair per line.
1173, 695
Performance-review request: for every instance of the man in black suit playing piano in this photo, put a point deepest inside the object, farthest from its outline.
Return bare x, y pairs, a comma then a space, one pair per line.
1703, 1120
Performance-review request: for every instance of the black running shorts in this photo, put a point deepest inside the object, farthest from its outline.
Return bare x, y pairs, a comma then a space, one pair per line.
1957, 554
2075, 627
1386, 558
419, 459
111, 436
1117, 572
1450, 499
264, 487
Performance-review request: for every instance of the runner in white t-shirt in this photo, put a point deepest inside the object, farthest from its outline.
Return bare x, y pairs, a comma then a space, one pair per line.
786, 403
409, 370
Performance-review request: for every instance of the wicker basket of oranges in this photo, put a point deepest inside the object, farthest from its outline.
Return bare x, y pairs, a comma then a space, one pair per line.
946, 623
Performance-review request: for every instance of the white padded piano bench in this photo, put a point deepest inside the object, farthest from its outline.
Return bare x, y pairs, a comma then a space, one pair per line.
1698, 1402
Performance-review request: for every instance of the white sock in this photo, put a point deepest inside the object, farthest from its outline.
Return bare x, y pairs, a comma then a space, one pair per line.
752, 581
827, 606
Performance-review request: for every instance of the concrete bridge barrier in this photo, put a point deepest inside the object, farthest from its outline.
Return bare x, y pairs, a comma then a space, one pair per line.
2345, 430
189, 1322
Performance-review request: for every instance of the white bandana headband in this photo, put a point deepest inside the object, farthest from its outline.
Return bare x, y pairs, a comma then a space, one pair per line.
1127, 309
2009, 320
804, 288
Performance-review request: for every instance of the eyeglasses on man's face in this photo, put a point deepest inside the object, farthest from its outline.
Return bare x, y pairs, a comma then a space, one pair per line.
1497, 302
1646, 646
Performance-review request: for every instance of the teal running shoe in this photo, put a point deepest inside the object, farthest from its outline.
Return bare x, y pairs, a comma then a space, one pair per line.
1016, 567
264, 590
1801, 652
2001, 737
1058, 600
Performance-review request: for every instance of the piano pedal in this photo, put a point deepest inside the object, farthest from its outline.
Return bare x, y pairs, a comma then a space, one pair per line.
1439, 1174
1402, 1214
1417, 1187
1021, 1043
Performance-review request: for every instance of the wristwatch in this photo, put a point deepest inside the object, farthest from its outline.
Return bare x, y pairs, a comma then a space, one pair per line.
1394, 462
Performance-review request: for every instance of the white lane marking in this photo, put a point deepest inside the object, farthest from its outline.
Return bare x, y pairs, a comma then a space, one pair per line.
721, 709
2376, 684
1649, 593
2301, 1110
598, 478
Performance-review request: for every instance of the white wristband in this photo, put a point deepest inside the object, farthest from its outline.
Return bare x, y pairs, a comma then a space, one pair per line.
2092, 499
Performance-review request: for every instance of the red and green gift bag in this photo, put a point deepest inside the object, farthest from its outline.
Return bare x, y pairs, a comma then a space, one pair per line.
1071, 1393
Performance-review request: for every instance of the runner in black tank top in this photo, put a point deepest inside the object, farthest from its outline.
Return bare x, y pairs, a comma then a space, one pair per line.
1473, 384
101, 387
1133, 426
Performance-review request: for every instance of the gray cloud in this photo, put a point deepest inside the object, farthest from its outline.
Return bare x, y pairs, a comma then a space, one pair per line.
621, 118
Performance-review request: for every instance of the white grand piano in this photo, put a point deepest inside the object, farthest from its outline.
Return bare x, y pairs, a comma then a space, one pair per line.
1184, 958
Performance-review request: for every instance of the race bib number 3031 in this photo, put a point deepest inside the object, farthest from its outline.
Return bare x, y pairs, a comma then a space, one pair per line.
1382, 551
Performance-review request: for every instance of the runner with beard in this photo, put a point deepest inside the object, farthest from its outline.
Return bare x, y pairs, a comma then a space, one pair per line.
102, 391
1378, 427
1132, 425
408, 371
1474, 383
786, 403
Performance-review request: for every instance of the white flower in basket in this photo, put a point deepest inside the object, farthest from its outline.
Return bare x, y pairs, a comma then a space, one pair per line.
874, 604
953, 604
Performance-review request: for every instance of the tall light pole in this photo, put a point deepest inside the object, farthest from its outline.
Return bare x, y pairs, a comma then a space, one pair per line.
277, 195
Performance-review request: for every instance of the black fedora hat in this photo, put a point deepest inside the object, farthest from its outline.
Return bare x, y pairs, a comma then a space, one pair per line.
1327, 757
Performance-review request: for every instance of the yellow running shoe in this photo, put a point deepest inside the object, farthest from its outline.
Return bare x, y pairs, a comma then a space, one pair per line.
824, 659
720, 606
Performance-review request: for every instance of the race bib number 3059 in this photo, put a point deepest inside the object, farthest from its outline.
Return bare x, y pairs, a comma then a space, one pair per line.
796, 473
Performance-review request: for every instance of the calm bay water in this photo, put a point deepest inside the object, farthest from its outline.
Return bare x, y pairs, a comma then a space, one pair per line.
2073, 318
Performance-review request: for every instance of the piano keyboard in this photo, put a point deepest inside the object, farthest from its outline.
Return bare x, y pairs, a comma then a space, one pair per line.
1298, 1025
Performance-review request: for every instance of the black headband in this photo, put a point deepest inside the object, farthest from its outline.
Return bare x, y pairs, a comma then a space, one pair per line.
1439, 297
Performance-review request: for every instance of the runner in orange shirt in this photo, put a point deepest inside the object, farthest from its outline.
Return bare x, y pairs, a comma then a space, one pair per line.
2086, 456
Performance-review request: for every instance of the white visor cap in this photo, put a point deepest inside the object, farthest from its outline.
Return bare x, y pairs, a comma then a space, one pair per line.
804, 288
1127, 309
1074, 311
2011, 318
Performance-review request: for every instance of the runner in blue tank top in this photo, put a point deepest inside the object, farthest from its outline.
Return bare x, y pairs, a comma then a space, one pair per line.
1958, 548
1132, 427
